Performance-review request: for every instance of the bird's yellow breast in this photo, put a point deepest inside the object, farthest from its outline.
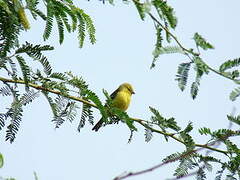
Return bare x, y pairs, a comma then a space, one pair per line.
122, 100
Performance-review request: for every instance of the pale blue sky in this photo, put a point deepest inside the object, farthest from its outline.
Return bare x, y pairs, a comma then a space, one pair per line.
123, 53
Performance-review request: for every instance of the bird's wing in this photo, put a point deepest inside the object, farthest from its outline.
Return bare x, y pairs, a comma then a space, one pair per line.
113, 95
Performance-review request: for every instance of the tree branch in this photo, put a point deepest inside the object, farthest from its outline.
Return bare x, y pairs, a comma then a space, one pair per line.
206, 146
140, 121
130, 174
188, 51
35, 86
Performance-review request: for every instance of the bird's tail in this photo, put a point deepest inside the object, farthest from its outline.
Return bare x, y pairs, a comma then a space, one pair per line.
98, 125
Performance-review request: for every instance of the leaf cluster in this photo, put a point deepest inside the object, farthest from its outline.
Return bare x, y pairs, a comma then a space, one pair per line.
63, 12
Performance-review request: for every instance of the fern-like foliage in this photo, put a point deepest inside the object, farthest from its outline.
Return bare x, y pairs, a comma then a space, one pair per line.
165, 12
235, 94
182, 75
63, 12
172, 158
32, 6
162, 122
168, 50
200, 68
10, 27
35, 52
205, 131
14, 58
186, 164
164, 50
5, 91
87, 115
140, 9
77, 82
229, 64
148, 134
3, 118
158, 44
88, 94
187, 138
28, 97
201, 42
62, 109
234, 119
25, 69
15, 115
194, 88
220, 134
124, 116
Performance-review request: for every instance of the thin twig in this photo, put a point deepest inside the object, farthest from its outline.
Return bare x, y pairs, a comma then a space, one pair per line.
188, 51
206, 146
130, 174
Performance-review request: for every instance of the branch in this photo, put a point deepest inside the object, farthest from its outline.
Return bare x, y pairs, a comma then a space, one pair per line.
140, 121
206, 146
38, 87
126, 175
188, 51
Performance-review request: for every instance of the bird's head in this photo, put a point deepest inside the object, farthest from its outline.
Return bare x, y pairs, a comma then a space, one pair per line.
128, 87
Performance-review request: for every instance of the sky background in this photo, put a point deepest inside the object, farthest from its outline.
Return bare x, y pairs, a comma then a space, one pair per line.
123, 53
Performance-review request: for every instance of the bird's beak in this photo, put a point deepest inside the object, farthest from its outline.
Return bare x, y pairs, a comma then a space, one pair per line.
133, 92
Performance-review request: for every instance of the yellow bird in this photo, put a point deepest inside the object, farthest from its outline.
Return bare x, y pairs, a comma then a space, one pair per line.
121, 99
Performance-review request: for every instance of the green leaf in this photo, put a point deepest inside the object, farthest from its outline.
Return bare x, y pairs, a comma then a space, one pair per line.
87, 114
15, 115
182, 75
35, 52
3, 119
189, 128
229, 64
234, 119
158, 44
201, 42
201, 66
140, 9
5, 91
28, 97
173, 157
81, 30
148, 135
167, 50
188, 140
165, 12
25, 70
234, 94
184, 166
89, 95
124, 116
1, 160
49, 21
162, 122
60, 28
205, 131
194, 89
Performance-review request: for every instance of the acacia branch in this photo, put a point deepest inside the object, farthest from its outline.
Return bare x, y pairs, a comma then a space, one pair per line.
140, 121
38, 87
206, 146
130, 174
188, 51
